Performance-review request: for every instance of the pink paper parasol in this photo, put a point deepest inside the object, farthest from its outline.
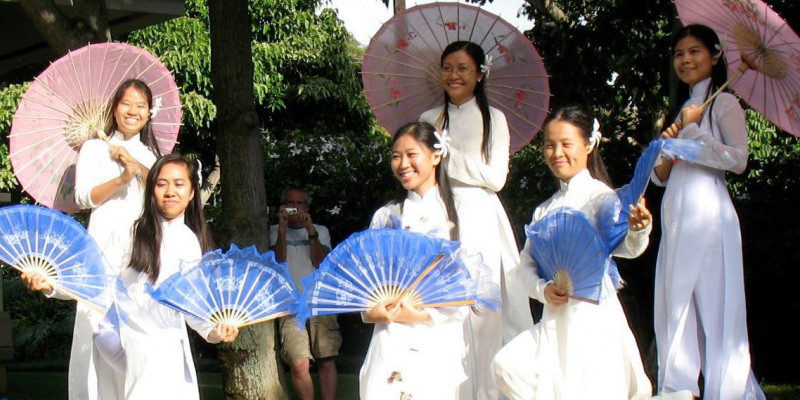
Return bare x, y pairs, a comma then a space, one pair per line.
762, 52
401, 67
68, 103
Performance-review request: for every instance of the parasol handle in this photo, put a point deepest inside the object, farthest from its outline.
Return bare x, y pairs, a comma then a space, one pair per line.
739, 71
102, 135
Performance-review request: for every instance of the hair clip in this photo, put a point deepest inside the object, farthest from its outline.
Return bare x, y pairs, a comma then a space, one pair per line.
156, 107
443, 145
594, 138
486, 67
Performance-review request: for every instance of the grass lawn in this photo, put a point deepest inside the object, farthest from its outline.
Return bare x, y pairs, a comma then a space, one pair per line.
53, 386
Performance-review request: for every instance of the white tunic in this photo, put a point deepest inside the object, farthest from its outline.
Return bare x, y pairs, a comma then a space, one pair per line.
110, 225
427, 358
578, 350
484, 228
158, 359
699, 271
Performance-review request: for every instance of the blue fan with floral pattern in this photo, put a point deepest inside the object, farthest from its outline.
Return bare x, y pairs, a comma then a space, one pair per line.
389, 265
239, 287
48, 242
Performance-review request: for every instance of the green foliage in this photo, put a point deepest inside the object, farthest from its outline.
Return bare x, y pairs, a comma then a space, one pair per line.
774, 160
7, 178
348, 175
318, 131
42, 327
9, 100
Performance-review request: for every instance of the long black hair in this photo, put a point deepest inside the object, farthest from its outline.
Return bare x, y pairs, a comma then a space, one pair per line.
477, 55
146, 136
423, 133
581, 119
719, 72
147, 233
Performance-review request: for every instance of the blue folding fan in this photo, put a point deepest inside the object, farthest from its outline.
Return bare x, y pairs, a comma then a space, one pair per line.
390, 265
630, 193
569, 252
240, 287
38, 239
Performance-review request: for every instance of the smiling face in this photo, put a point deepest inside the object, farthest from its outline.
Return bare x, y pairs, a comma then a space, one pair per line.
566, 151
414, 164
132, 112
173, 190
460, 76
692, 60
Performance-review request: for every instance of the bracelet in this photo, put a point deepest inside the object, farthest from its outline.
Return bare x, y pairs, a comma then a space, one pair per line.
314, 236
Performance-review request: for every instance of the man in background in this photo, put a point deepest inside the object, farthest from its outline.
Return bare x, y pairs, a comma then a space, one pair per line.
302, 244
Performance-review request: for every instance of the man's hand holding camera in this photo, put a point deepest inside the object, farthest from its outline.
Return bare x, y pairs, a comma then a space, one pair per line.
295, 217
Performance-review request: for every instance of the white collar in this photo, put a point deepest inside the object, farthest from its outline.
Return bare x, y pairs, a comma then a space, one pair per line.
700, 89
166, 225
120, 137
576, 181
470, 103
429, 194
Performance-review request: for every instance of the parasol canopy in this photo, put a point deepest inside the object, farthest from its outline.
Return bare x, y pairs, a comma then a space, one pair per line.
401, 70
69, 102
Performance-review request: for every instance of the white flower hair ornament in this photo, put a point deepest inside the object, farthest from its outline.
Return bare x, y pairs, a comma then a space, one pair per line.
594, 138
156, 106
443, 145
486, 67
718, 50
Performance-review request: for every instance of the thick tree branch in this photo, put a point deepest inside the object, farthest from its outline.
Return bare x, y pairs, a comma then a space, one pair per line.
61, 32
210, 183
550, 8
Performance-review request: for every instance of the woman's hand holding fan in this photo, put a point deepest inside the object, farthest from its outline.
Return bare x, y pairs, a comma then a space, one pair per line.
223, 333
393, 268
569, 252
36, 282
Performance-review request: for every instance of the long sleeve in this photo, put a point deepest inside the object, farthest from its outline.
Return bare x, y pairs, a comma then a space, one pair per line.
469, 170
731, 152
635, 243
88, 173
201, 327
526, 272
387, 216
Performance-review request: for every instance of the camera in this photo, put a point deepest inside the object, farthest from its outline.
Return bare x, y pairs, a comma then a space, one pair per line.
291, 210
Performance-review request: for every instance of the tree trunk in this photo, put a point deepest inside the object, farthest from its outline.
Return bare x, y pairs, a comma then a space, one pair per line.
90, 24
250, 368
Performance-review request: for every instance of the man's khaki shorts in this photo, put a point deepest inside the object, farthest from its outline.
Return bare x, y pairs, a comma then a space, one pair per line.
324, 340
